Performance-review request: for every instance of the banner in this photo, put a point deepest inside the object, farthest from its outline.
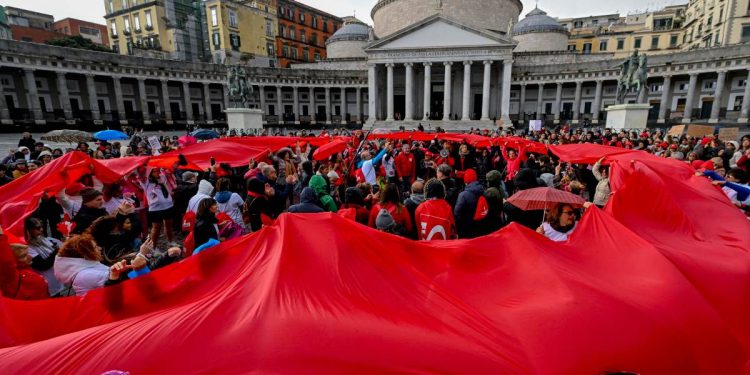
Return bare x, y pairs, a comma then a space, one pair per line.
729, 134
700, 130
676, 130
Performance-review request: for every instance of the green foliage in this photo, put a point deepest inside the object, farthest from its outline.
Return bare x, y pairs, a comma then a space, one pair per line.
78, 42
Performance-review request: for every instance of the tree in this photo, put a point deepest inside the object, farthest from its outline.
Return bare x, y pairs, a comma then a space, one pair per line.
78, 42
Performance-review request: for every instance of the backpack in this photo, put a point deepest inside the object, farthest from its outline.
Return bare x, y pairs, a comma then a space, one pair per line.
482, 209
188, 222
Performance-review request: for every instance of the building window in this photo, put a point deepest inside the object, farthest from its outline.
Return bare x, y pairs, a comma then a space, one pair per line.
314, 39
738, 102
742, 83
673, 41
302, 36
114, 29
654, 42
111, 6
295, 56
315, 22
710, 85
234, 41
305, 55
214, 16
571, 47
285, 51
149, 23
302, 17
620, 44
317, 56
137, 22
637, 43
233, 19
271, 49
126, 20
603, 45
293, 33
217, 40
269, 28
586, 48
656, 88
717, 41
325, 26
578, 24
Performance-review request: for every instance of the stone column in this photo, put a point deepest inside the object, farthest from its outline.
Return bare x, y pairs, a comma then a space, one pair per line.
409, 110
486, 91
539, 102
93, 99
465, 115
207, 102
359, 104
427, 102
686, 117
577, 103
505, 103
262, 94
389, 93
343, 105
295, 94
716, 107
143, 99
32, 94
372, 92
597, 102
119, 102
279, 105
165, 101
188, 103
62, 90
313, 110
5, 113
225, 95
522, 102
556, 107
745, 109
666, 91
328, 105
447, 87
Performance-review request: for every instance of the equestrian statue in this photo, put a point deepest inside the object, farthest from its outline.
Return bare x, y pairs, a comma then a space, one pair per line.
240, 91
633, 75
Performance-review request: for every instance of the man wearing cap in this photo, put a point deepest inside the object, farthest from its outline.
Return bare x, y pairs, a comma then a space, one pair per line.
92, 208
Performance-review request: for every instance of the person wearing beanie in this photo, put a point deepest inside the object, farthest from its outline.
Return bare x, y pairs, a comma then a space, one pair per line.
384, 222
205, 190
390, 199
45, 157
258, 209
434, 217
354, 206
466, 207
92, 208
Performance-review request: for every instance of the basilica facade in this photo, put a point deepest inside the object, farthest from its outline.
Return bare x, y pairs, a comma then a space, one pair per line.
439, 63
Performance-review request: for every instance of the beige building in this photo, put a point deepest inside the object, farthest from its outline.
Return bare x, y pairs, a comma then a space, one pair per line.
241, 31
713, 23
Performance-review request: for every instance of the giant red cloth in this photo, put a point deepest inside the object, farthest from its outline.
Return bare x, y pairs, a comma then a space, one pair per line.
657, 283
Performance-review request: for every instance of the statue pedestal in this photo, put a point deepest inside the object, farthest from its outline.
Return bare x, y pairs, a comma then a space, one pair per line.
627, 116
244, 118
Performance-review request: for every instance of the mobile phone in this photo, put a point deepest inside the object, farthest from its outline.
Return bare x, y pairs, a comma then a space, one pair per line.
213, 161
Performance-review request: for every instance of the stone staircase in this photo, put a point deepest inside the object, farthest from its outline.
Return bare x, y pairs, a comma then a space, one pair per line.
431, 125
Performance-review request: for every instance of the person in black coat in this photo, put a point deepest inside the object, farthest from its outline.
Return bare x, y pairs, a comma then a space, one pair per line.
466, 207
451, 190
308, 203
206, 225
186, 189
27, 141
258, 204
92, 208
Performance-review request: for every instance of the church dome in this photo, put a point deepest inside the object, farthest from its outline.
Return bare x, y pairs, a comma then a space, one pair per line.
537, 21
351, 31
349, 41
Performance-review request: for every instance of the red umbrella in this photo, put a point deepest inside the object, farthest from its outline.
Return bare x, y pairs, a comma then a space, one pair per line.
187, 140
543, 198
325, 151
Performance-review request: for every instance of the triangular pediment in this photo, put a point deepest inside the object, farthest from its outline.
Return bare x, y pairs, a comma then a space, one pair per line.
440, 32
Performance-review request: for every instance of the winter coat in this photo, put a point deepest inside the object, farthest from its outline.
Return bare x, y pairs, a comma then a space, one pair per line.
355, 212
412, 203
451, 191
83, 275
43, 251
231, 204
19, 282
205, 229
307, 204
182, 195
85, 216
318, 184
434, 220
406, 165
205, 189
602, 192
254, 210
400, 215
466, 206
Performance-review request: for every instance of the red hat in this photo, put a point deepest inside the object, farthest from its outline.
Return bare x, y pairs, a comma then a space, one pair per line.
470, 176
428, 154
223, 218
705, 141
697, 164
709, 165
664, 145
673, 146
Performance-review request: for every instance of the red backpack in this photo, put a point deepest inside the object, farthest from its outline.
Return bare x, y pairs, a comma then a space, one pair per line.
188, 222
482, 208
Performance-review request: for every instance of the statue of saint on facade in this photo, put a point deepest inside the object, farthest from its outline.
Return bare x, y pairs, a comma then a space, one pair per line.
633, 75
240, 91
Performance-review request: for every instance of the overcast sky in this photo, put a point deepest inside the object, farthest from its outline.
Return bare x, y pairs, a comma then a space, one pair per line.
93, 10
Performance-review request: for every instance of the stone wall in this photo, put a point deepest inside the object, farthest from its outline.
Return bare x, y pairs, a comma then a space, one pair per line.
390, 16
344, 49
532, 42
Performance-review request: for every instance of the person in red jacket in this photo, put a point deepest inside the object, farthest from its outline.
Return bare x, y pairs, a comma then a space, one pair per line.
406, 166
513, 160
434, 217
390, 200
17, 279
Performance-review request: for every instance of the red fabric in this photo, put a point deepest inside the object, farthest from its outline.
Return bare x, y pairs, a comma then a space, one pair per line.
401, 216
657, 283
329, 149
406, 164
434, 220
20, 283
543, 198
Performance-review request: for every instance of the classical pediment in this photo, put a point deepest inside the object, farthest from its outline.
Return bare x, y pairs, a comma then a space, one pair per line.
438, 32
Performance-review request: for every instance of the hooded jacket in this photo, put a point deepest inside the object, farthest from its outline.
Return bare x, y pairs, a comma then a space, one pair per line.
307, 203
205, 189
231, 204
318, 184
465, 208
83, 275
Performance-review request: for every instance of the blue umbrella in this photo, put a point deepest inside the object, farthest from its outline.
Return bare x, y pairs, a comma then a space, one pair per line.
110, 135
204, 134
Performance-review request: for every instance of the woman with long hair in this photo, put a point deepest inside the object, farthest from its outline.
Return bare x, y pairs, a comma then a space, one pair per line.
390, 200
206, 224
79, 266
560, 222
42, 251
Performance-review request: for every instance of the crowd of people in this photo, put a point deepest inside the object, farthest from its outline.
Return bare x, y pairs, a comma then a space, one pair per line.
91, 235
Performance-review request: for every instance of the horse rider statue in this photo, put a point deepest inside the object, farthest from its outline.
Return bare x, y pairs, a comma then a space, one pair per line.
240, 91
633, 75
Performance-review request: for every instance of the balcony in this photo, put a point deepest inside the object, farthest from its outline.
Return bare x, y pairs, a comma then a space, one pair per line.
149, 28
138, 31
113, 35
